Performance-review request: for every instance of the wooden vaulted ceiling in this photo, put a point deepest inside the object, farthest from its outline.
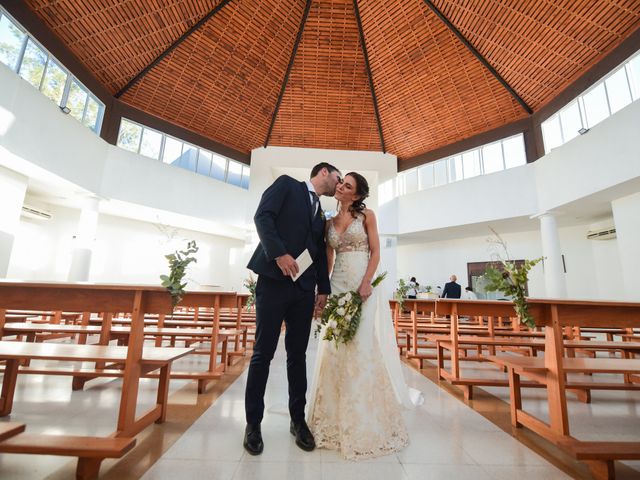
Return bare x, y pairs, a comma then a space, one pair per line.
404, 76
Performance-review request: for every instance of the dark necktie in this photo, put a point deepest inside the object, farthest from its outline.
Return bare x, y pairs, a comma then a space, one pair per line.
314, 203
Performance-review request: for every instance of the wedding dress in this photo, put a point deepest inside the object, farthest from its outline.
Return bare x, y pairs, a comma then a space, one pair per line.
358, 389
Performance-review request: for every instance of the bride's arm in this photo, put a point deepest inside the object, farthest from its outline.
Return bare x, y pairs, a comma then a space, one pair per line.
365, 290
331, 253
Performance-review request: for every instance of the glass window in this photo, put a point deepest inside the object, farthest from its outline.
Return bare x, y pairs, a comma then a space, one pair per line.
618, 90
571, 121
455, 168
425, 176
151, 143
440, 173
492, 158
54, 80
11, 40
129, 136
76, 100
411, 181
218, 167
551, 133
595, 105
633, 67
172, 151
235, 173
33, 64
246, 173
471, 163
385, 192
189, 160
204, 162
91, 115
514, 154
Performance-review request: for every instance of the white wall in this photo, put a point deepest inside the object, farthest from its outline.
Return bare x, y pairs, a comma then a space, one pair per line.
37, 133
593, 270
125, 251
12, 190
626, 212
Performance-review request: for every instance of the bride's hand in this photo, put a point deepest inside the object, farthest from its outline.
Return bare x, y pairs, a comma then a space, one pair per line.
365, 290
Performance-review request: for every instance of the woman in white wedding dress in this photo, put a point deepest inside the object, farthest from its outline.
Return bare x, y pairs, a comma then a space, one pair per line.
358, 389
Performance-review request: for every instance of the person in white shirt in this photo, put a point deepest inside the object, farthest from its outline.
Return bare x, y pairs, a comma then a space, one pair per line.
413, 285
469, 294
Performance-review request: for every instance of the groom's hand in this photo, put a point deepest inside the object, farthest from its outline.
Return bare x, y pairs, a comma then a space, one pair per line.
321, 301
287, 265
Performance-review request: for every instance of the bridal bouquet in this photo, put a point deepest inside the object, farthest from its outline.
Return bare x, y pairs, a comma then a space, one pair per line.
342, 313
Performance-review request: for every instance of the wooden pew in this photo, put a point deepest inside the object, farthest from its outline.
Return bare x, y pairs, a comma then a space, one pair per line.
551, 371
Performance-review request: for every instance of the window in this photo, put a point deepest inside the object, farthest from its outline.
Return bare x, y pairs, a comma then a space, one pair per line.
492, 160
25, 56
151, 143
471, 163
11, 41
425, 176
439, 173
611, 94
455, 168
513, 150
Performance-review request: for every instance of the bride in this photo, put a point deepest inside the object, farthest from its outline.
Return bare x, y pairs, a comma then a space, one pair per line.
358, 389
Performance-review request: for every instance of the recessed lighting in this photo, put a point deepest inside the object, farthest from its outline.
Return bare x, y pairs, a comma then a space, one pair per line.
66, 110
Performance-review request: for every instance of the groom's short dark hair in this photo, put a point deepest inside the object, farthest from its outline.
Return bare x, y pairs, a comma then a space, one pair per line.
320, 166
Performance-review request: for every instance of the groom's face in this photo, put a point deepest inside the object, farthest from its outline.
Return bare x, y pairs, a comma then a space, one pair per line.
333, 179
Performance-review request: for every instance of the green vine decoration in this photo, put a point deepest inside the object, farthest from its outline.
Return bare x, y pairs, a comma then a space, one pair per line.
511, 279
250, 284
401, 292
178, 263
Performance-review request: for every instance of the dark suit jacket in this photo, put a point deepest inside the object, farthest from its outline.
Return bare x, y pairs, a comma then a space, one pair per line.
284, 224
451, 290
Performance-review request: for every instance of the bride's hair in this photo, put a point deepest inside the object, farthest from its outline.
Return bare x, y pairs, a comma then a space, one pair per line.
362, 190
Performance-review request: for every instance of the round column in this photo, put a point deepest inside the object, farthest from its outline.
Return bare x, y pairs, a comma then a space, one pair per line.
83, 242
554, 275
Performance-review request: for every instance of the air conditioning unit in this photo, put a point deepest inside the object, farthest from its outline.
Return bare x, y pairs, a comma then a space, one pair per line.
607, 233
29, 211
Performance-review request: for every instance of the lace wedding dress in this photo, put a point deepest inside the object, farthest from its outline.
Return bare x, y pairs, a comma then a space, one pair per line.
358, 389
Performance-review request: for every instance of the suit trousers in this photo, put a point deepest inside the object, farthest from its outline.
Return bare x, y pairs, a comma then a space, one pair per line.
277, 301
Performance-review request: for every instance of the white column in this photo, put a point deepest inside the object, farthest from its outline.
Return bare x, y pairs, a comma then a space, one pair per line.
554, 276
626, 214
83, 243
13, 187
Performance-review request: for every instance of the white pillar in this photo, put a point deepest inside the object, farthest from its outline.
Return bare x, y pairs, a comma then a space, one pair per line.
83, 243
13, 187
554, 276
626, 214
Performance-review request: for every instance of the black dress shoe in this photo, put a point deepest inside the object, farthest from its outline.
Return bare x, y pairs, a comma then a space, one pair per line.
253, 439
304, 438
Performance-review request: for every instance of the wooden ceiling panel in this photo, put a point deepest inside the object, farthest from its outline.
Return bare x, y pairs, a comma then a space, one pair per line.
540, 47
223, 81
327, 101
431, 89
117, 39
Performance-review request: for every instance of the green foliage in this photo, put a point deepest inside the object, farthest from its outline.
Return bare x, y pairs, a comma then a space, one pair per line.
250, 284
401, 292
511, 280
428, 289
178, 263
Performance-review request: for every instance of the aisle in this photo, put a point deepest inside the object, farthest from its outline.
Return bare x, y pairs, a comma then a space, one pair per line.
448, 440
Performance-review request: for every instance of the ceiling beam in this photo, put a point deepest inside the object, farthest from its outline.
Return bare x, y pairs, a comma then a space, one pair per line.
292, 58
478, 55
368, 65
171, 48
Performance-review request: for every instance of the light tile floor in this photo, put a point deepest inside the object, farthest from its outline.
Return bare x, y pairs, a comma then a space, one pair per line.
448, 440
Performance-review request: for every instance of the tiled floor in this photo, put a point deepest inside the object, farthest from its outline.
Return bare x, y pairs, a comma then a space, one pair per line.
448, 440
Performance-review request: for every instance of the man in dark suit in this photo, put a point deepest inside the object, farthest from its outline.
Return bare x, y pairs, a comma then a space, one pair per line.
289, 220
452, 289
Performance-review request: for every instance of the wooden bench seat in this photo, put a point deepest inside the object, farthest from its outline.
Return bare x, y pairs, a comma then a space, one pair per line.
9, 429
89, 450
599, 456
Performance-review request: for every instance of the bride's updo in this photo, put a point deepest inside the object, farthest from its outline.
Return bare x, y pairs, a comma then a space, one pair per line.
362, 190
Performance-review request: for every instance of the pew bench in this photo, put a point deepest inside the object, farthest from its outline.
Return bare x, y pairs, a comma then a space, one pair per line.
600, 456
91, 451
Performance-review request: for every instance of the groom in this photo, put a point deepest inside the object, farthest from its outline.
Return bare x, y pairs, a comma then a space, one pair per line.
289, 220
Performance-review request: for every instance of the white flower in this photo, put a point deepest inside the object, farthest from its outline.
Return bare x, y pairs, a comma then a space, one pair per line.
332, 324
348, 317
342, 301
347, 296
340, 311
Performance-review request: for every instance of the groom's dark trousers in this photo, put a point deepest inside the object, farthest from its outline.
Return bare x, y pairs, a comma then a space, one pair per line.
277, 301
286, 224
